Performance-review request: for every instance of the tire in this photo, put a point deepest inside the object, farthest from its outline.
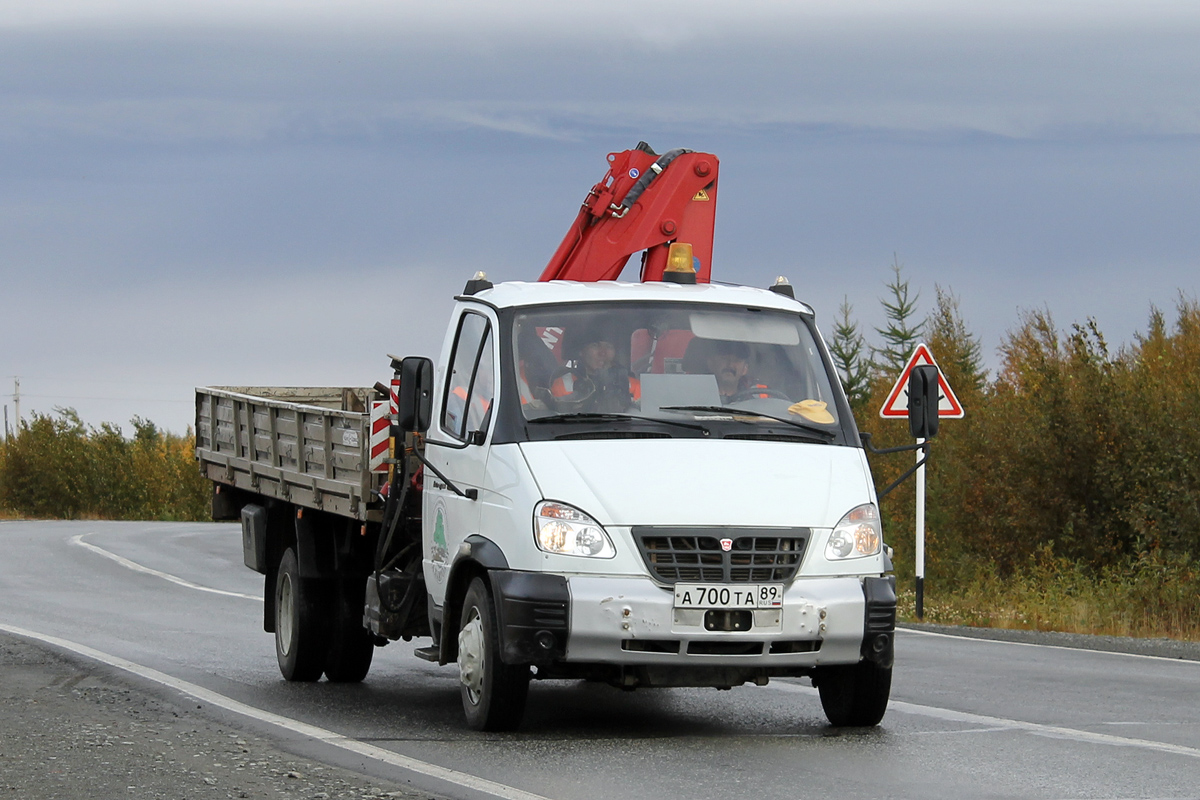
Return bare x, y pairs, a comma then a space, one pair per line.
301, 632
855, 695
351, 646
493, 693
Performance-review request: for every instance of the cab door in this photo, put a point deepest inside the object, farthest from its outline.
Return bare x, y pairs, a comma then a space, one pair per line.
457, 446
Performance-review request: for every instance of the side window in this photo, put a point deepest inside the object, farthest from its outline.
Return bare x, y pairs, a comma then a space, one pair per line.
469, 388
483, 388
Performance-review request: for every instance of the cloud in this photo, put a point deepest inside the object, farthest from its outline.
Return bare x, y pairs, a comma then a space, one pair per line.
653, 20
242, 73
184, 178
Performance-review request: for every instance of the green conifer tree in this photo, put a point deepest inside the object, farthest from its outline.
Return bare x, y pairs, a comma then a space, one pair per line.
902, 332
849, 352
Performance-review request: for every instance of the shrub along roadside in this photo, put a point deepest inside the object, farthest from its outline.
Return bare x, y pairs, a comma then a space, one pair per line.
55, 467
1068, 498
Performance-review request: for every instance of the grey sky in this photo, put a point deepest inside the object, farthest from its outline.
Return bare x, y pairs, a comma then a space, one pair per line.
278, 192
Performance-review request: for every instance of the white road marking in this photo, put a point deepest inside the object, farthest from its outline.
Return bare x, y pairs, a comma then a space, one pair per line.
949, 715
136, 567
1159, 724
1052, 646
957, 731
291, 725
1002, 723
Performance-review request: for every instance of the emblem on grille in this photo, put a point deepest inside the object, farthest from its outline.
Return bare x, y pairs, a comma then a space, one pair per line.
727, 545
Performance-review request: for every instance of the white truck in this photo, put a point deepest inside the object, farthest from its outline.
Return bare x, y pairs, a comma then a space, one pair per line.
654, 484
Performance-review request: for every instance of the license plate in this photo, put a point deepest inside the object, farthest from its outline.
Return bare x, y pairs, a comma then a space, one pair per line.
726, 595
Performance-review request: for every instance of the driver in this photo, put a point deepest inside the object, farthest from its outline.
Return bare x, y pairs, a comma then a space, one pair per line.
597, 382
729, 362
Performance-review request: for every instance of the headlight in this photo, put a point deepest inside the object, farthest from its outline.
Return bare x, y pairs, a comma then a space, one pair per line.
563, 529
856, 535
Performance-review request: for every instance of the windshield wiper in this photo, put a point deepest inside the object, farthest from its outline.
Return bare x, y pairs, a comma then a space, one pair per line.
742, 412
596, 416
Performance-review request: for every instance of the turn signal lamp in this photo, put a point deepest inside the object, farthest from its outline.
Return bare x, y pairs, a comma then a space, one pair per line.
680, 264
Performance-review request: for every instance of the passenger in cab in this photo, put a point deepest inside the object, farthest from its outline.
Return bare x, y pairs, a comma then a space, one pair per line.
730, 363
598, 381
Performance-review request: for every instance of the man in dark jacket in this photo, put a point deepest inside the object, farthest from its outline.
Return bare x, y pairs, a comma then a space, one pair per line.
598, 381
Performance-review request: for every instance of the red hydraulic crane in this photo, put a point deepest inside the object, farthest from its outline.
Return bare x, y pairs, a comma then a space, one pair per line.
644, 203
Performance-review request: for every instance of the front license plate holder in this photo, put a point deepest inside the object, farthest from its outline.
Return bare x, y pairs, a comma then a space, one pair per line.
728, 595
728, 619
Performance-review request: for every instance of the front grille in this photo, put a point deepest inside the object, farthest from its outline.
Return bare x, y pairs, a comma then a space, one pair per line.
757, 555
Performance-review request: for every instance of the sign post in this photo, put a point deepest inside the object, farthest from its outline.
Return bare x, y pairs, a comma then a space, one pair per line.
896, 407
920, 526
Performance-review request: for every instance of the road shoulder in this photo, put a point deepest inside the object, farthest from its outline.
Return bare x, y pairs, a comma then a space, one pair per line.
71, 729
1161, 648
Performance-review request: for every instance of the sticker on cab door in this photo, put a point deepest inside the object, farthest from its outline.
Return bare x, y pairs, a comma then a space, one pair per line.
439, 554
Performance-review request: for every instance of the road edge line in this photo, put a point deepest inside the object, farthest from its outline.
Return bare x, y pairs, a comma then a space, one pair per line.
166, 576
1169, 659
1054, 731
304, 729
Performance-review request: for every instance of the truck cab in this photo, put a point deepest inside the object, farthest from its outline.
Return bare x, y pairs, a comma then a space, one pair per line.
649, 484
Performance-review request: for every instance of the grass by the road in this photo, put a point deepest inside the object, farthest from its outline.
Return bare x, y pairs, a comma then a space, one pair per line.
1148, 598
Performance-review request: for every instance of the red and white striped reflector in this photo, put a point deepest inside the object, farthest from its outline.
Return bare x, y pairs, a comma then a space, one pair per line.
381, 422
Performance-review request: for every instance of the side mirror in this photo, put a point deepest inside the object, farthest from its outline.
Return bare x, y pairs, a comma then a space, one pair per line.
923, 396
416, 394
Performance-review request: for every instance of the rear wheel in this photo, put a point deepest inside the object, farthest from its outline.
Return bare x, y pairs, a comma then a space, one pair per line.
351, 646
493, 693
300, 629
855, 695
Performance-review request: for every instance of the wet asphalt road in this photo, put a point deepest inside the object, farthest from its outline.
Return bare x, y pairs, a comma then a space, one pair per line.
970, 718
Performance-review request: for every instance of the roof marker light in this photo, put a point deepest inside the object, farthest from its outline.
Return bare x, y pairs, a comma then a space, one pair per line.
477, 284
783, 287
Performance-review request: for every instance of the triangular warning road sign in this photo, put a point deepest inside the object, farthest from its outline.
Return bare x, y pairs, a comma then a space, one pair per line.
896, 405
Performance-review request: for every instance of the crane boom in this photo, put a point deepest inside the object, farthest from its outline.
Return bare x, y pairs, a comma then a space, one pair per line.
644, 203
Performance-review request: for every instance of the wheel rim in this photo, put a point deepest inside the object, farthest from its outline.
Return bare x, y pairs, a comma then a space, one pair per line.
471, 656
283, 614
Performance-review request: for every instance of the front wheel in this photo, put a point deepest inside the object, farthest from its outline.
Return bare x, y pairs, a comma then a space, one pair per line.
493, 693
855, 695
300, 629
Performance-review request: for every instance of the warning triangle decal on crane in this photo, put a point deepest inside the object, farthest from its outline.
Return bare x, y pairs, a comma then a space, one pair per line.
896, 405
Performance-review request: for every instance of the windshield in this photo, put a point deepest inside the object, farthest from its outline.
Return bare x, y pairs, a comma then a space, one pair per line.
672, 363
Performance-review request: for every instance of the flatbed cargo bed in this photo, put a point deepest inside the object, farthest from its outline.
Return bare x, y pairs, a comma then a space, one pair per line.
310, 446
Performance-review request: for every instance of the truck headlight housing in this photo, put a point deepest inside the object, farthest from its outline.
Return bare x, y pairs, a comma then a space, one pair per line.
858, 534
565, 530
